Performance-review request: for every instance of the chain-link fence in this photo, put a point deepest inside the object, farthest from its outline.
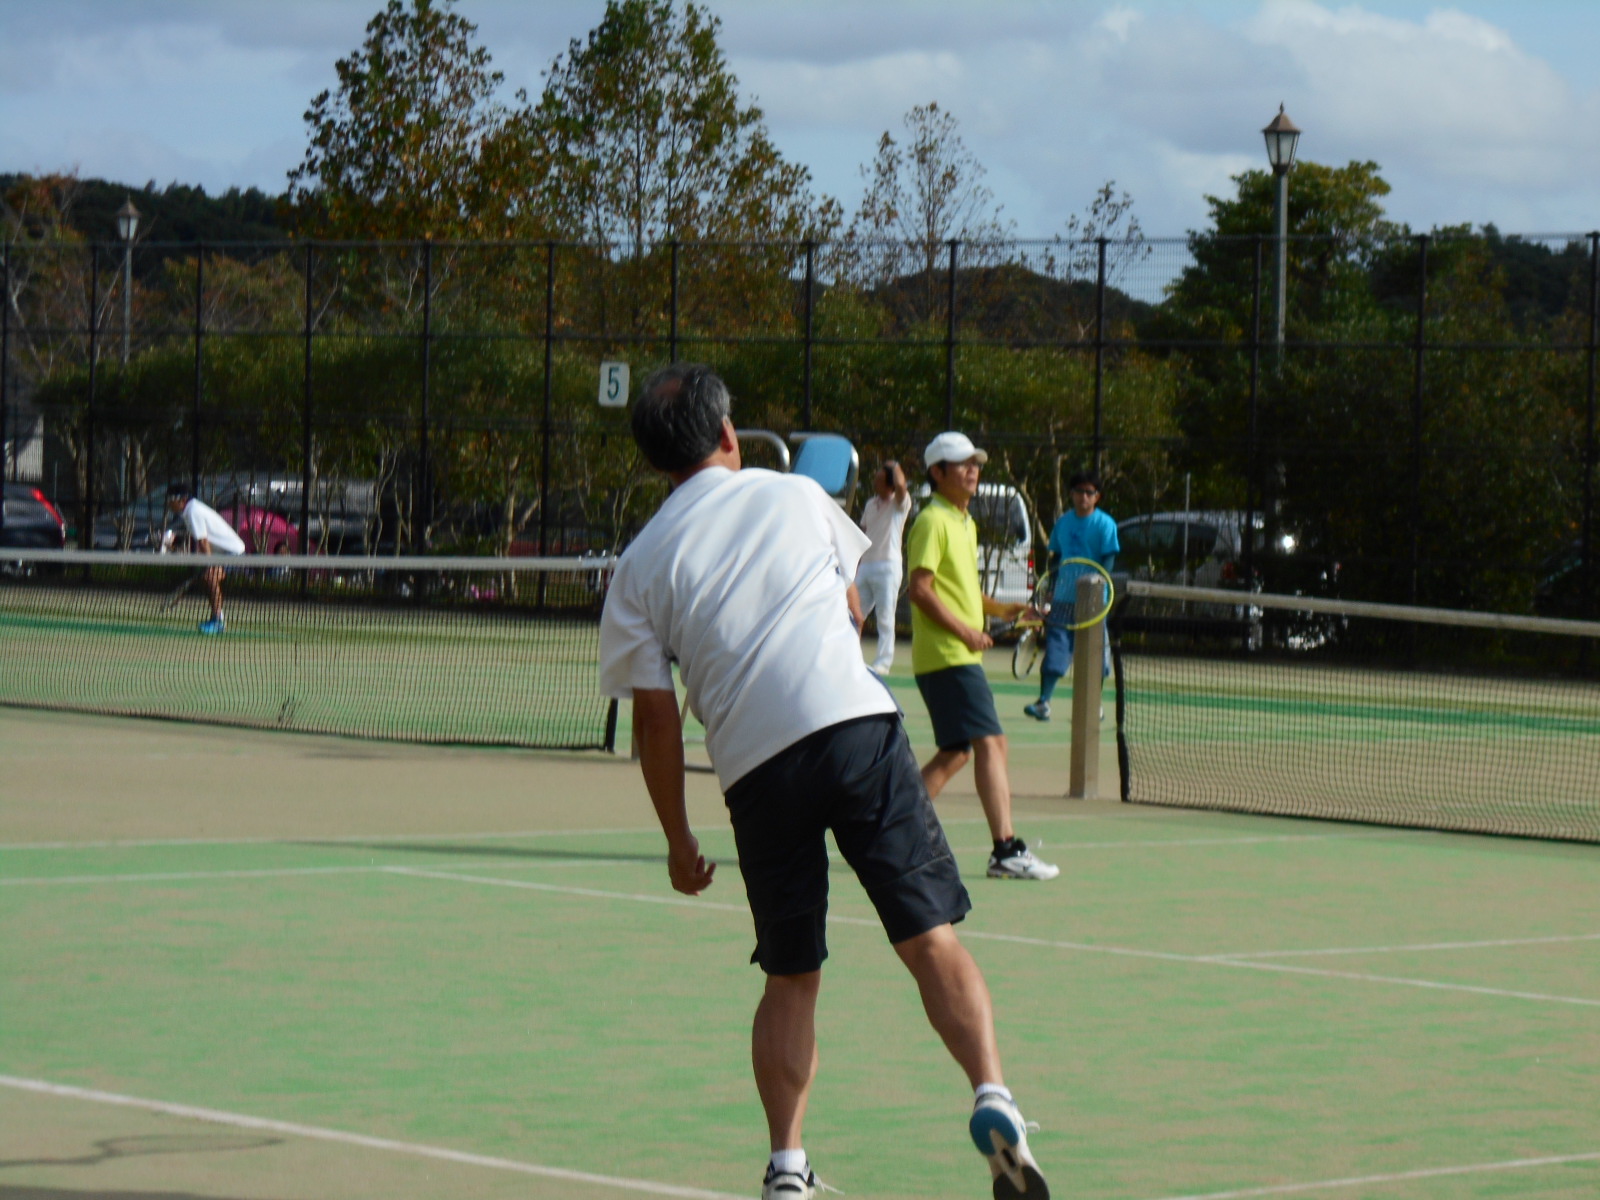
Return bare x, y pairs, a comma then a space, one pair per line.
1420, 427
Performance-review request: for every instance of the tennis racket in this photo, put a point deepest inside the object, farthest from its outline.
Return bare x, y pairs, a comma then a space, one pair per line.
177, 593
1029, 645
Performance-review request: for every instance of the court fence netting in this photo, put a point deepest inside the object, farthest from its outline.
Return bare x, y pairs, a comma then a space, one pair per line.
475, 651
1349, 711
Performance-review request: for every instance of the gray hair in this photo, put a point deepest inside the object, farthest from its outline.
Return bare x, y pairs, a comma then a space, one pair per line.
677, 416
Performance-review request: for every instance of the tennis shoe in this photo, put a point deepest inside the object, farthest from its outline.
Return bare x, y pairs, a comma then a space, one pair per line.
212, 627
791, 1185
1001, 1136
1039, 710
1018, 862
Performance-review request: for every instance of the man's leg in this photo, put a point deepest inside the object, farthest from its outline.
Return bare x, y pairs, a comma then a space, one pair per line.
956, 999
941, 769
213, 583
783, 1050
994, 784
887, 592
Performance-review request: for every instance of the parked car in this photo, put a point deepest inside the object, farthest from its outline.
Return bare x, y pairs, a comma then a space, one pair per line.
1205, 549
265, 530
30, 520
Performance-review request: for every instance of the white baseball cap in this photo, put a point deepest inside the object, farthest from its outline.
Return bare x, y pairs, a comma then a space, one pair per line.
952, 448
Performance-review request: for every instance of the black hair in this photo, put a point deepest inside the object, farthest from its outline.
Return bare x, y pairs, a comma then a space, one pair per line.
176, 491
1079, 478
677, 416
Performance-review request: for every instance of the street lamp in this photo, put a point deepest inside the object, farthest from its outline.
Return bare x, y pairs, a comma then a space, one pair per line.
1282, 138
127, 227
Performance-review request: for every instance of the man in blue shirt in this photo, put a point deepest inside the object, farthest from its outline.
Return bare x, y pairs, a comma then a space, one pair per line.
1085, 532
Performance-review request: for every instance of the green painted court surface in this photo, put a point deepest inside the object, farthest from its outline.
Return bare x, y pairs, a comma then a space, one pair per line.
402, 971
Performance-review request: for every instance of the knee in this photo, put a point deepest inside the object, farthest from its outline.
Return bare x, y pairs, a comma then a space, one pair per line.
987, 748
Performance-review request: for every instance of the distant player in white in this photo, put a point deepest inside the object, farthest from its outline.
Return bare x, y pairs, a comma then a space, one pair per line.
883, 519
209, 534
743, 579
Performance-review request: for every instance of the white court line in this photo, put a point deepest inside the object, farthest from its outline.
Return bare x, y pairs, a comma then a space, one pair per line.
1116, 951
1236, 961
438, 1153
1161, 843
1484, 945
1322, 1185
357, 838
273, 872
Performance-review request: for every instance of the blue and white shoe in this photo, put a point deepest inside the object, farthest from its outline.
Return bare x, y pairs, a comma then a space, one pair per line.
212, 627
1039, 710
1001, 1136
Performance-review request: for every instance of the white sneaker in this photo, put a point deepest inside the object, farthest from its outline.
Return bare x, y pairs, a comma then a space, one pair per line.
1001, 1136
1020, 864
788, 1185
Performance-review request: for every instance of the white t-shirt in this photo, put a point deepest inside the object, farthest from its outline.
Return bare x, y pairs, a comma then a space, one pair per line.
740, 578
884, 522
203, 521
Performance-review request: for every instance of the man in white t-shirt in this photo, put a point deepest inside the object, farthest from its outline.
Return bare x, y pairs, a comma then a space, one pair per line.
883, 520
742, 578
208, 534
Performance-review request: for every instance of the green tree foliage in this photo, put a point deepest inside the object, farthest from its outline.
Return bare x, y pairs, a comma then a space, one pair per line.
396, 150
648, 140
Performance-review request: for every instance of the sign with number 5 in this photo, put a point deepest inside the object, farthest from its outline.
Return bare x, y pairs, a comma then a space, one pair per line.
613, 385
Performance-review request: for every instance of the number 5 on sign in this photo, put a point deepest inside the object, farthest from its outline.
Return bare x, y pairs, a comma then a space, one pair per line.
613, 385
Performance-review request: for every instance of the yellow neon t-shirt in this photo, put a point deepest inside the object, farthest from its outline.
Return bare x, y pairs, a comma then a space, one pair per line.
944, 540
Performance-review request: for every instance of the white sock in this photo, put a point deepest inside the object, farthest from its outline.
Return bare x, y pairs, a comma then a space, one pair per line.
792, 1162
993, 1089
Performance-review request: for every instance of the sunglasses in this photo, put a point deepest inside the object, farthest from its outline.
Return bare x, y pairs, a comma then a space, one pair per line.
1085, 492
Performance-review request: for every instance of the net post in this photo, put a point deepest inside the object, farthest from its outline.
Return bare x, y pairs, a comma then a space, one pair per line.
1084, 778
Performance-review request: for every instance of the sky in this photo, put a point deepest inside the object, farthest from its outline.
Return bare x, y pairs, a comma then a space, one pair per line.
1477, 111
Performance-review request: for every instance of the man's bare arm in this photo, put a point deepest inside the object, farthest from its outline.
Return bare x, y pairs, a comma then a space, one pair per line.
658, 728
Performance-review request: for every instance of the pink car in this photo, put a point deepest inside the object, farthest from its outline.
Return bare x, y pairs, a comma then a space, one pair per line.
264, 531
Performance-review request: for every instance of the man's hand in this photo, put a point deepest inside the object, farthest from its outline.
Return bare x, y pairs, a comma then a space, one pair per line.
688, 869
975, 639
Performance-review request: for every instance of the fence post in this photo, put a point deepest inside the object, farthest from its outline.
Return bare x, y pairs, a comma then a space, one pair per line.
544, 422
950, 342
199, 369
1589, 605
86, 506
811, 284
1097, 449
305, 416
420, 522
672, 344
8, 450
1252, 481
1418, 378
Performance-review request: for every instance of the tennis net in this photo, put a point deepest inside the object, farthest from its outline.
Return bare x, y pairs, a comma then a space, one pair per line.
1346, 711
491, 651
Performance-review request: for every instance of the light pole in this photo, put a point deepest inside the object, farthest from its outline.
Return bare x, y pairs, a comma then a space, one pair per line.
1282, 138
127, 227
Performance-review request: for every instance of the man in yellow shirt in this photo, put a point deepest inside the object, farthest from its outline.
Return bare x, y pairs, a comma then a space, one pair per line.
948, 639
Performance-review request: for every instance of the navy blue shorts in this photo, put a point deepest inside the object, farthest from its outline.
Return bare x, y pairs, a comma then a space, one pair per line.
1059, 644
961, 704
859, 779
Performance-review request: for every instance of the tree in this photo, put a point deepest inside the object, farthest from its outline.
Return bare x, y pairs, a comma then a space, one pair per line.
395, 151
648, 140
919, 198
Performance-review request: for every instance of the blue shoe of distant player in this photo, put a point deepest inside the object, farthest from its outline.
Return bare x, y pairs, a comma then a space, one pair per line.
1039, 710
212, 627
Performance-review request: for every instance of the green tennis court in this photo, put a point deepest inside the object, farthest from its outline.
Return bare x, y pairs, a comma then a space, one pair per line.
242, 964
